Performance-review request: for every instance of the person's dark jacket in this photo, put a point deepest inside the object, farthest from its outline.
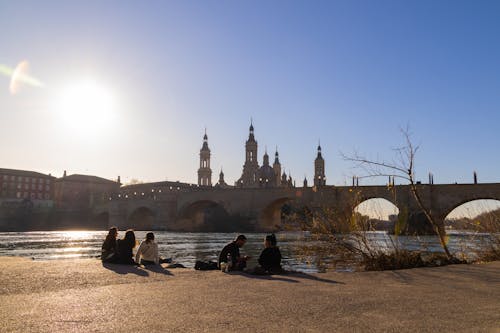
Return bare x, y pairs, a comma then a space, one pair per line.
109, 250
230, 248
270, 258
125, 252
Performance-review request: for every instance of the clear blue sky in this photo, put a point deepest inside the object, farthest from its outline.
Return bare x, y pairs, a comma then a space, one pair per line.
350, 73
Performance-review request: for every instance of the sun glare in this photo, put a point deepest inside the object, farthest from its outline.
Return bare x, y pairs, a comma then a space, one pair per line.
86, 106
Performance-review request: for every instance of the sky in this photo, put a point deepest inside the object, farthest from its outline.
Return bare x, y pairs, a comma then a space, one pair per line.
127, 88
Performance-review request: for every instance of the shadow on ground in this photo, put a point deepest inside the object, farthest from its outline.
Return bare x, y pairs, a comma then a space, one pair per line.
125, 269
287, 277
157, 269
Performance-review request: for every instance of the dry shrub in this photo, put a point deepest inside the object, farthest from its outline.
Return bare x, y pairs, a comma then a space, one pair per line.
399, 259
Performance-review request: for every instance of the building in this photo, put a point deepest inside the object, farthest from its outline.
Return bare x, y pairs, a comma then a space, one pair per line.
22, 184
222, 183
249, 177
82, 191
204, 171
265, 176
277, 168
319, 169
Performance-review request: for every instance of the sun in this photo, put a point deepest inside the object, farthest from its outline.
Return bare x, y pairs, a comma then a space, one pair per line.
86, 106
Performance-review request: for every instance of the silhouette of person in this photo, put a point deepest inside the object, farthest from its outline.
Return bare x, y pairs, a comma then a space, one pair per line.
270, 258
109, 251
238, 263
125, 248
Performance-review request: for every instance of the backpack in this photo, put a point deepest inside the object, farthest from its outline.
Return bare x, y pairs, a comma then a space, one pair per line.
206, 265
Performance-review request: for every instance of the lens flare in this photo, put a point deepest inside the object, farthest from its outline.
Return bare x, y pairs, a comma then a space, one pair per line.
19, 76
5, 70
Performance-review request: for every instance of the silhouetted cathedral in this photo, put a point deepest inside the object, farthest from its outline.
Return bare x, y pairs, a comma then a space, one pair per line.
265, 176
253, 175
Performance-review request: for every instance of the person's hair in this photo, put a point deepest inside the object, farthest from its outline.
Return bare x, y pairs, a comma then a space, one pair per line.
150, 237
112, 233
272, 239
241, 237
130, 237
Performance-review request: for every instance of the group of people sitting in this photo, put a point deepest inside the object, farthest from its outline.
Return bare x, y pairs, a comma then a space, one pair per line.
269, 259
121, 251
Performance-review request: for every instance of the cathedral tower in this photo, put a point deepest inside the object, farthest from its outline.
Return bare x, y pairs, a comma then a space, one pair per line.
221, 183
277, 168
319, 170
204, 172
251, 166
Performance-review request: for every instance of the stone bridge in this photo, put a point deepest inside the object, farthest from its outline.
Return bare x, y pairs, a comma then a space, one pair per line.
192, 208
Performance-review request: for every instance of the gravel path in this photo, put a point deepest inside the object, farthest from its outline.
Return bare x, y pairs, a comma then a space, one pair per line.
84, 296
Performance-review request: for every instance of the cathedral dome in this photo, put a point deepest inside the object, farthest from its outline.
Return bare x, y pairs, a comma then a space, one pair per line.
266, 175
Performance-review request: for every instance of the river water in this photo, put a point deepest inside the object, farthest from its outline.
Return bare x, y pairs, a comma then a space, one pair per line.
186, 248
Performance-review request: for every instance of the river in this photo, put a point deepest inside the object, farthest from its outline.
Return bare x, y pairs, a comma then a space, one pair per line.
186, 248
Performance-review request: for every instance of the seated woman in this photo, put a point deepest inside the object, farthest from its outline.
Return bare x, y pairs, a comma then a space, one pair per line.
109, 251
147, 253
125, 248
270, 258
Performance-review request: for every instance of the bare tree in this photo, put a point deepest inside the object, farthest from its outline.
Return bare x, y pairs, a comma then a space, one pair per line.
403, 167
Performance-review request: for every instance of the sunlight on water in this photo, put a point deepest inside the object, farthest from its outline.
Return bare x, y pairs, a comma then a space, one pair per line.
77, 235
186, 248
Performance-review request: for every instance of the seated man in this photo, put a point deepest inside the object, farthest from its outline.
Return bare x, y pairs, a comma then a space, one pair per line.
238, 263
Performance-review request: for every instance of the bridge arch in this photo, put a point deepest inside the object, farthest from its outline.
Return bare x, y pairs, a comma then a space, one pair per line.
459, 203
141, 218
476, 214
381, 213
205, 215
270, 216
296, 216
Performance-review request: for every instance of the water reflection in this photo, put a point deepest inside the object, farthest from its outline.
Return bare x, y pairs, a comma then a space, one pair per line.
300, 251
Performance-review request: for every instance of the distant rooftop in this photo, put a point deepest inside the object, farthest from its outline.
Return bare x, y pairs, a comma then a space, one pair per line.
85, 179
160, 184
23, 173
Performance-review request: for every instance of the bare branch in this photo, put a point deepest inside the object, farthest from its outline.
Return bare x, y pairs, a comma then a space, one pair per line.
364, 161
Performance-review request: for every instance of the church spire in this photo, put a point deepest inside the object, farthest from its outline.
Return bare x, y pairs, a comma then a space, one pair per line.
319, 169
266, 157
249, 177
205, 142
204, 172
221, 176
251, 136
277, 168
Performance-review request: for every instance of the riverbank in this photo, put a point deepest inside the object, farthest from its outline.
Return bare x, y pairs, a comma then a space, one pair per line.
84, 296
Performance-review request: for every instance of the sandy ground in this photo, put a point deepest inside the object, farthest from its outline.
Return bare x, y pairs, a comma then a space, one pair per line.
84, 296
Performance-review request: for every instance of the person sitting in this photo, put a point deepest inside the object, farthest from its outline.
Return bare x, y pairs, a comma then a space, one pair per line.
270, 258
147, 253
109, 247
232, 249
125, 248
